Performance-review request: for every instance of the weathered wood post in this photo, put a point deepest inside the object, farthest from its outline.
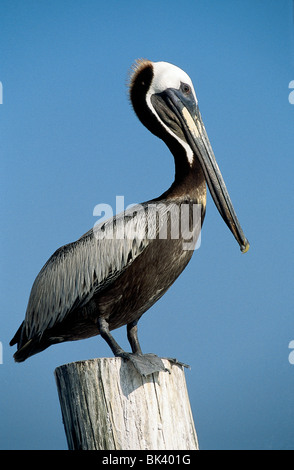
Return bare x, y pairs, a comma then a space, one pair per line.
107, 405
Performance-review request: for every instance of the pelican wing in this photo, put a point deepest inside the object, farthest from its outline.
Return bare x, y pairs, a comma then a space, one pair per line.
77, 271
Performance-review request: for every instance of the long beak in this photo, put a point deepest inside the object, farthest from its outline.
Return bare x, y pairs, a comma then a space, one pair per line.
197, 139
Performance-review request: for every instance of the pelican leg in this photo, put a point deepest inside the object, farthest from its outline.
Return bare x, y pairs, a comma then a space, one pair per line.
145, 364
132, 332
107, 336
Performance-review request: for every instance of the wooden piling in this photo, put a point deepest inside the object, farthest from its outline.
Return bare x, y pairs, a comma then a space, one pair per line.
107, 405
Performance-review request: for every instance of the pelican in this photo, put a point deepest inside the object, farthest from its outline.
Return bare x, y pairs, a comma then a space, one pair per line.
116, 271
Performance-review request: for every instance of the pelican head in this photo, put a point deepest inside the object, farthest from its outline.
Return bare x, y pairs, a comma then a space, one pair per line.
164, 99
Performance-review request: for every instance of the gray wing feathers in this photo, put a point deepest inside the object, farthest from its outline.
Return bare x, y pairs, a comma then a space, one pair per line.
76, 271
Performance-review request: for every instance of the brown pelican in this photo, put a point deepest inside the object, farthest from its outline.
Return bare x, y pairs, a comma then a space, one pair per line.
113, 274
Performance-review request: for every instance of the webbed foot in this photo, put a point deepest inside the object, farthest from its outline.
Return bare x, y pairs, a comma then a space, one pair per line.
145, 364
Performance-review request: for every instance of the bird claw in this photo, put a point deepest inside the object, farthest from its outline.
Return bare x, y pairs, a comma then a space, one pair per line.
178, 363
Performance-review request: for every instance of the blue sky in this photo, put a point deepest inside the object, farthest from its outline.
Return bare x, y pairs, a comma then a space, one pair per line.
69, 140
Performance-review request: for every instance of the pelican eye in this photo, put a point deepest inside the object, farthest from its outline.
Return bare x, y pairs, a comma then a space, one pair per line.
185, 88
